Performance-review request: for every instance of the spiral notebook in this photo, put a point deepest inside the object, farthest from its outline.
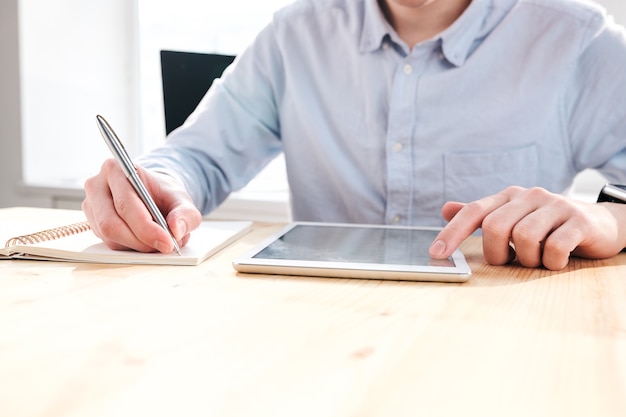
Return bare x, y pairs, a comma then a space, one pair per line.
76, 242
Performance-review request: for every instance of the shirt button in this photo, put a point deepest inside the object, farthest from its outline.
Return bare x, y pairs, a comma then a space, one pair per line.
408, 69
397, 147
396, 219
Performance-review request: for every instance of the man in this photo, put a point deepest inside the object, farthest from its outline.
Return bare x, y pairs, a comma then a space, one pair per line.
389, 110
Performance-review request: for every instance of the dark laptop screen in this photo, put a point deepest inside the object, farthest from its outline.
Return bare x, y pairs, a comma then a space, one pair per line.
186, 78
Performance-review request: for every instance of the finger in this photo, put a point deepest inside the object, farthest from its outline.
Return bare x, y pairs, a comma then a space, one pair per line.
109, 193
439, 248
182, 216
103, 218
548, 235
560, 244
465, 222
182, 220
531, 232
508, 224
141, 233
526, 220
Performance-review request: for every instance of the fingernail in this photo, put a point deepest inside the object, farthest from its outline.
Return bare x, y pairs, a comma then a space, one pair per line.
437, 248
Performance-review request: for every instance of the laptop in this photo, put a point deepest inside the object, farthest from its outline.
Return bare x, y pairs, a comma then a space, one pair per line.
186, 77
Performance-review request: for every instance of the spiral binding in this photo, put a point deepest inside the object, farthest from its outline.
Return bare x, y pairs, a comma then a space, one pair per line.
49, 234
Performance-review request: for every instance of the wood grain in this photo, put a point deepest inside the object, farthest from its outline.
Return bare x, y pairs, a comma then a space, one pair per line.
102, 340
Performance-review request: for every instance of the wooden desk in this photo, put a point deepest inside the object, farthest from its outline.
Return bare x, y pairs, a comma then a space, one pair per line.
115, 341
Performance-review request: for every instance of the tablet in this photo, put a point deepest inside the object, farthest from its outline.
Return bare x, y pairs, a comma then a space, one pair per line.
354, 251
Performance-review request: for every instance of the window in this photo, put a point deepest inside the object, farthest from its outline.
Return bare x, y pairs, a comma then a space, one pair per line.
79, 59
76, 60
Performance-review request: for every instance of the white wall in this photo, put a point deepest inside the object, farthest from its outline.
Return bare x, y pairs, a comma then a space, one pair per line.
615, 7
10, 129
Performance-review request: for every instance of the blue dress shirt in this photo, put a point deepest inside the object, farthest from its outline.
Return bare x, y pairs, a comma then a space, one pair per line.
515, 92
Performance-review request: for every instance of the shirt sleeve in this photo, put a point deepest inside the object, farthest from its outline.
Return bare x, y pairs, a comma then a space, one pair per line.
597, 99
233, 133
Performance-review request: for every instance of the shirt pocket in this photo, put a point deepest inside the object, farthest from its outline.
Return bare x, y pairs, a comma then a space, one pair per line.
470, 176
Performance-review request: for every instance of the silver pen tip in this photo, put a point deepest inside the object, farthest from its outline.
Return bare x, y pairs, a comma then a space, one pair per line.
177, 248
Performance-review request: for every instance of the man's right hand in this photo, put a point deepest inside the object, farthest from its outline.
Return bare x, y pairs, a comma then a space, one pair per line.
117, 215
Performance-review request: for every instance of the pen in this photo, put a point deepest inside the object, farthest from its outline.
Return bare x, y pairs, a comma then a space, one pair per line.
120, 154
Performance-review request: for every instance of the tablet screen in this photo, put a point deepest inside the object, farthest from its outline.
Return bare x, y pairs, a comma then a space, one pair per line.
355, 244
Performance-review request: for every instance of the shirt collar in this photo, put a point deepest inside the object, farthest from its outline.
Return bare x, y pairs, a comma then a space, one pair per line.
375, 28
456, 41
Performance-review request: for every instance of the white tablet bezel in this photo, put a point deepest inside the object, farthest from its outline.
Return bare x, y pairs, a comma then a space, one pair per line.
247, 263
